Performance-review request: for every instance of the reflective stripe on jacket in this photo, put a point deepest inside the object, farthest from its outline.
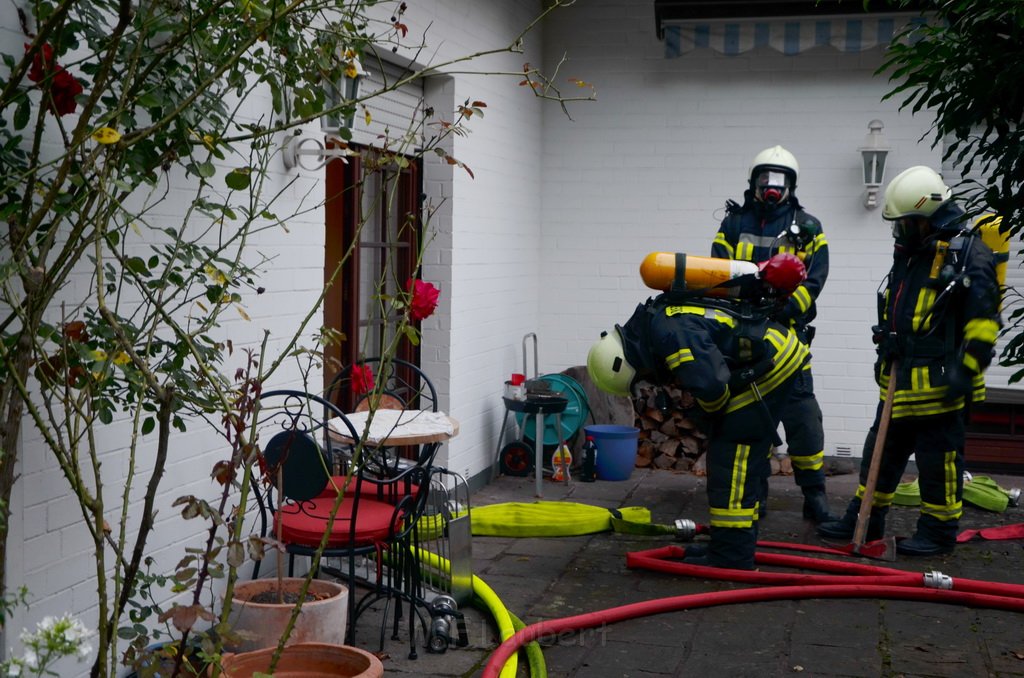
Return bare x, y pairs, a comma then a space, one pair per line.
699, 347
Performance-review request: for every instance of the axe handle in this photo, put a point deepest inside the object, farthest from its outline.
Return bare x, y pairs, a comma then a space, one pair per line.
876, 461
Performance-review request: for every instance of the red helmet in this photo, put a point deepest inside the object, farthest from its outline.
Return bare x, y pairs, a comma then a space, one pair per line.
784, 272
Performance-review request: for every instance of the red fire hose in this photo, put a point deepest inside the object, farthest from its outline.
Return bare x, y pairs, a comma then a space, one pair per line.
848, 580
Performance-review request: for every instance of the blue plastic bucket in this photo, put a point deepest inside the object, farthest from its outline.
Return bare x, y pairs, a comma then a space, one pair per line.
616, 450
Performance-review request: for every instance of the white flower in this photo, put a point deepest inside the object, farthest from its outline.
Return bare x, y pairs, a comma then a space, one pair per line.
55, 637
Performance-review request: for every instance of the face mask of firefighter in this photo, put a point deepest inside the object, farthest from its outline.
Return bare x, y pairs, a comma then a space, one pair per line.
772, 187
910, 232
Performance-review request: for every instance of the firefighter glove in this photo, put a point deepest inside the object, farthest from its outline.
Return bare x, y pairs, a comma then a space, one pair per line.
704, 421
789, 310
961, 382
885, 342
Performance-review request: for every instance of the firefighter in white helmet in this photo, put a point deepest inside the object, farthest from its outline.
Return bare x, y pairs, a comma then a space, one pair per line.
771, 220
740, 369
938, 319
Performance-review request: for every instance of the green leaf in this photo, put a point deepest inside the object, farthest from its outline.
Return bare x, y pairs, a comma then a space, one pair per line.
206, 169
137, 265
151, 98
126, 632
21, 113
238, 179
411, 334
148, 424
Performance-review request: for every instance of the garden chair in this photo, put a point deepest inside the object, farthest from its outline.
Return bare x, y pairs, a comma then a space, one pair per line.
299, 492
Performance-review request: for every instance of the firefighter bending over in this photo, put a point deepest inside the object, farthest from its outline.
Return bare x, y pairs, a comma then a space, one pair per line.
740, 367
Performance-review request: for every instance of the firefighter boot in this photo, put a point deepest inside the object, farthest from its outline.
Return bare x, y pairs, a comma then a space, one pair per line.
933, 537
844, 528
730, 547
816, 505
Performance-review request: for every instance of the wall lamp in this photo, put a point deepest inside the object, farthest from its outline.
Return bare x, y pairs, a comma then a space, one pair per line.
345, 90
873, 154
297, 146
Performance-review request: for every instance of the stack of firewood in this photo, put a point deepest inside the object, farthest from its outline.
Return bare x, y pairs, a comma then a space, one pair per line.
671, 436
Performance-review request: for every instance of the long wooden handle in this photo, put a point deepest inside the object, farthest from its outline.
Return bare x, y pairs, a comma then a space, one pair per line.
876, 461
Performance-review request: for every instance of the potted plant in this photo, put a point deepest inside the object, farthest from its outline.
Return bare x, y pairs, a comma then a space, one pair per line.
262, 608
306, 660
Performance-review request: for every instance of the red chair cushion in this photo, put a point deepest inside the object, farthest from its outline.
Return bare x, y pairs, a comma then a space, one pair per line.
304, 523
391, 493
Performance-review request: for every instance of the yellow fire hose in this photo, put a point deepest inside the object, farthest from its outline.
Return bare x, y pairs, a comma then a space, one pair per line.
507, 623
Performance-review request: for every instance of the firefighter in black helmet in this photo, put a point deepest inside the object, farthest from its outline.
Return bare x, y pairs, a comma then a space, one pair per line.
771, 220
740, 368
938, 319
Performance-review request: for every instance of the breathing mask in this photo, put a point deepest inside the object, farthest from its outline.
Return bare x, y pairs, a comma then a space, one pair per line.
771, 186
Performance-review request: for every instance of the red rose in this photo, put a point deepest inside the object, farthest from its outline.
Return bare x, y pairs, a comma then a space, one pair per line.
42, 63
424, 299
62, 87
63, 91
362, 379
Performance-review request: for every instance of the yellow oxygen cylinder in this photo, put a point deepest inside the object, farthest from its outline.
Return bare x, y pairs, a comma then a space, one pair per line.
662, 270
988, 227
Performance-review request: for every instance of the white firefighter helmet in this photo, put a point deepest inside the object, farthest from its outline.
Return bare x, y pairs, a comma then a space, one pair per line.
773, 174
919, 203
915, 192
606, 363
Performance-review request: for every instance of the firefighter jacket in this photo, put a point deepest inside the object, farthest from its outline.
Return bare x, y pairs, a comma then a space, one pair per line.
753, 233
938, 315
714, 349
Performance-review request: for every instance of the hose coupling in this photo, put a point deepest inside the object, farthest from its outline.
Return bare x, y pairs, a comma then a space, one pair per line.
937, 580
686, 529
447, 625
1014, 494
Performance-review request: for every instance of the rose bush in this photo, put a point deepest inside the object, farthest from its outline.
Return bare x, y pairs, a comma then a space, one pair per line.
137, 141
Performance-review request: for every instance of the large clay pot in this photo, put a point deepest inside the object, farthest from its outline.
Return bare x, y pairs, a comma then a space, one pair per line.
261, 624
305, 660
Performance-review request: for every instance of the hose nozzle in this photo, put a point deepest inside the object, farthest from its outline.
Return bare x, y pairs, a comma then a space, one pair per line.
1014, 494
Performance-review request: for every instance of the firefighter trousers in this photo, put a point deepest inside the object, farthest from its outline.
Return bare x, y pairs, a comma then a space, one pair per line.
805, 434
937, 443
738, 466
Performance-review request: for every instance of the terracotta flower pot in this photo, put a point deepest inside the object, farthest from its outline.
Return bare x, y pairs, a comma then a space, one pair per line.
260, 624
306, 660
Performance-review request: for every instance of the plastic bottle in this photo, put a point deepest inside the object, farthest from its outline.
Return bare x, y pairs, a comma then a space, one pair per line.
589, 472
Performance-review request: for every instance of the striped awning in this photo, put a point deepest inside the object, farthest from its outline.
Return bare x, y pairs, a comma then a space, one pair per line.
787, 35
